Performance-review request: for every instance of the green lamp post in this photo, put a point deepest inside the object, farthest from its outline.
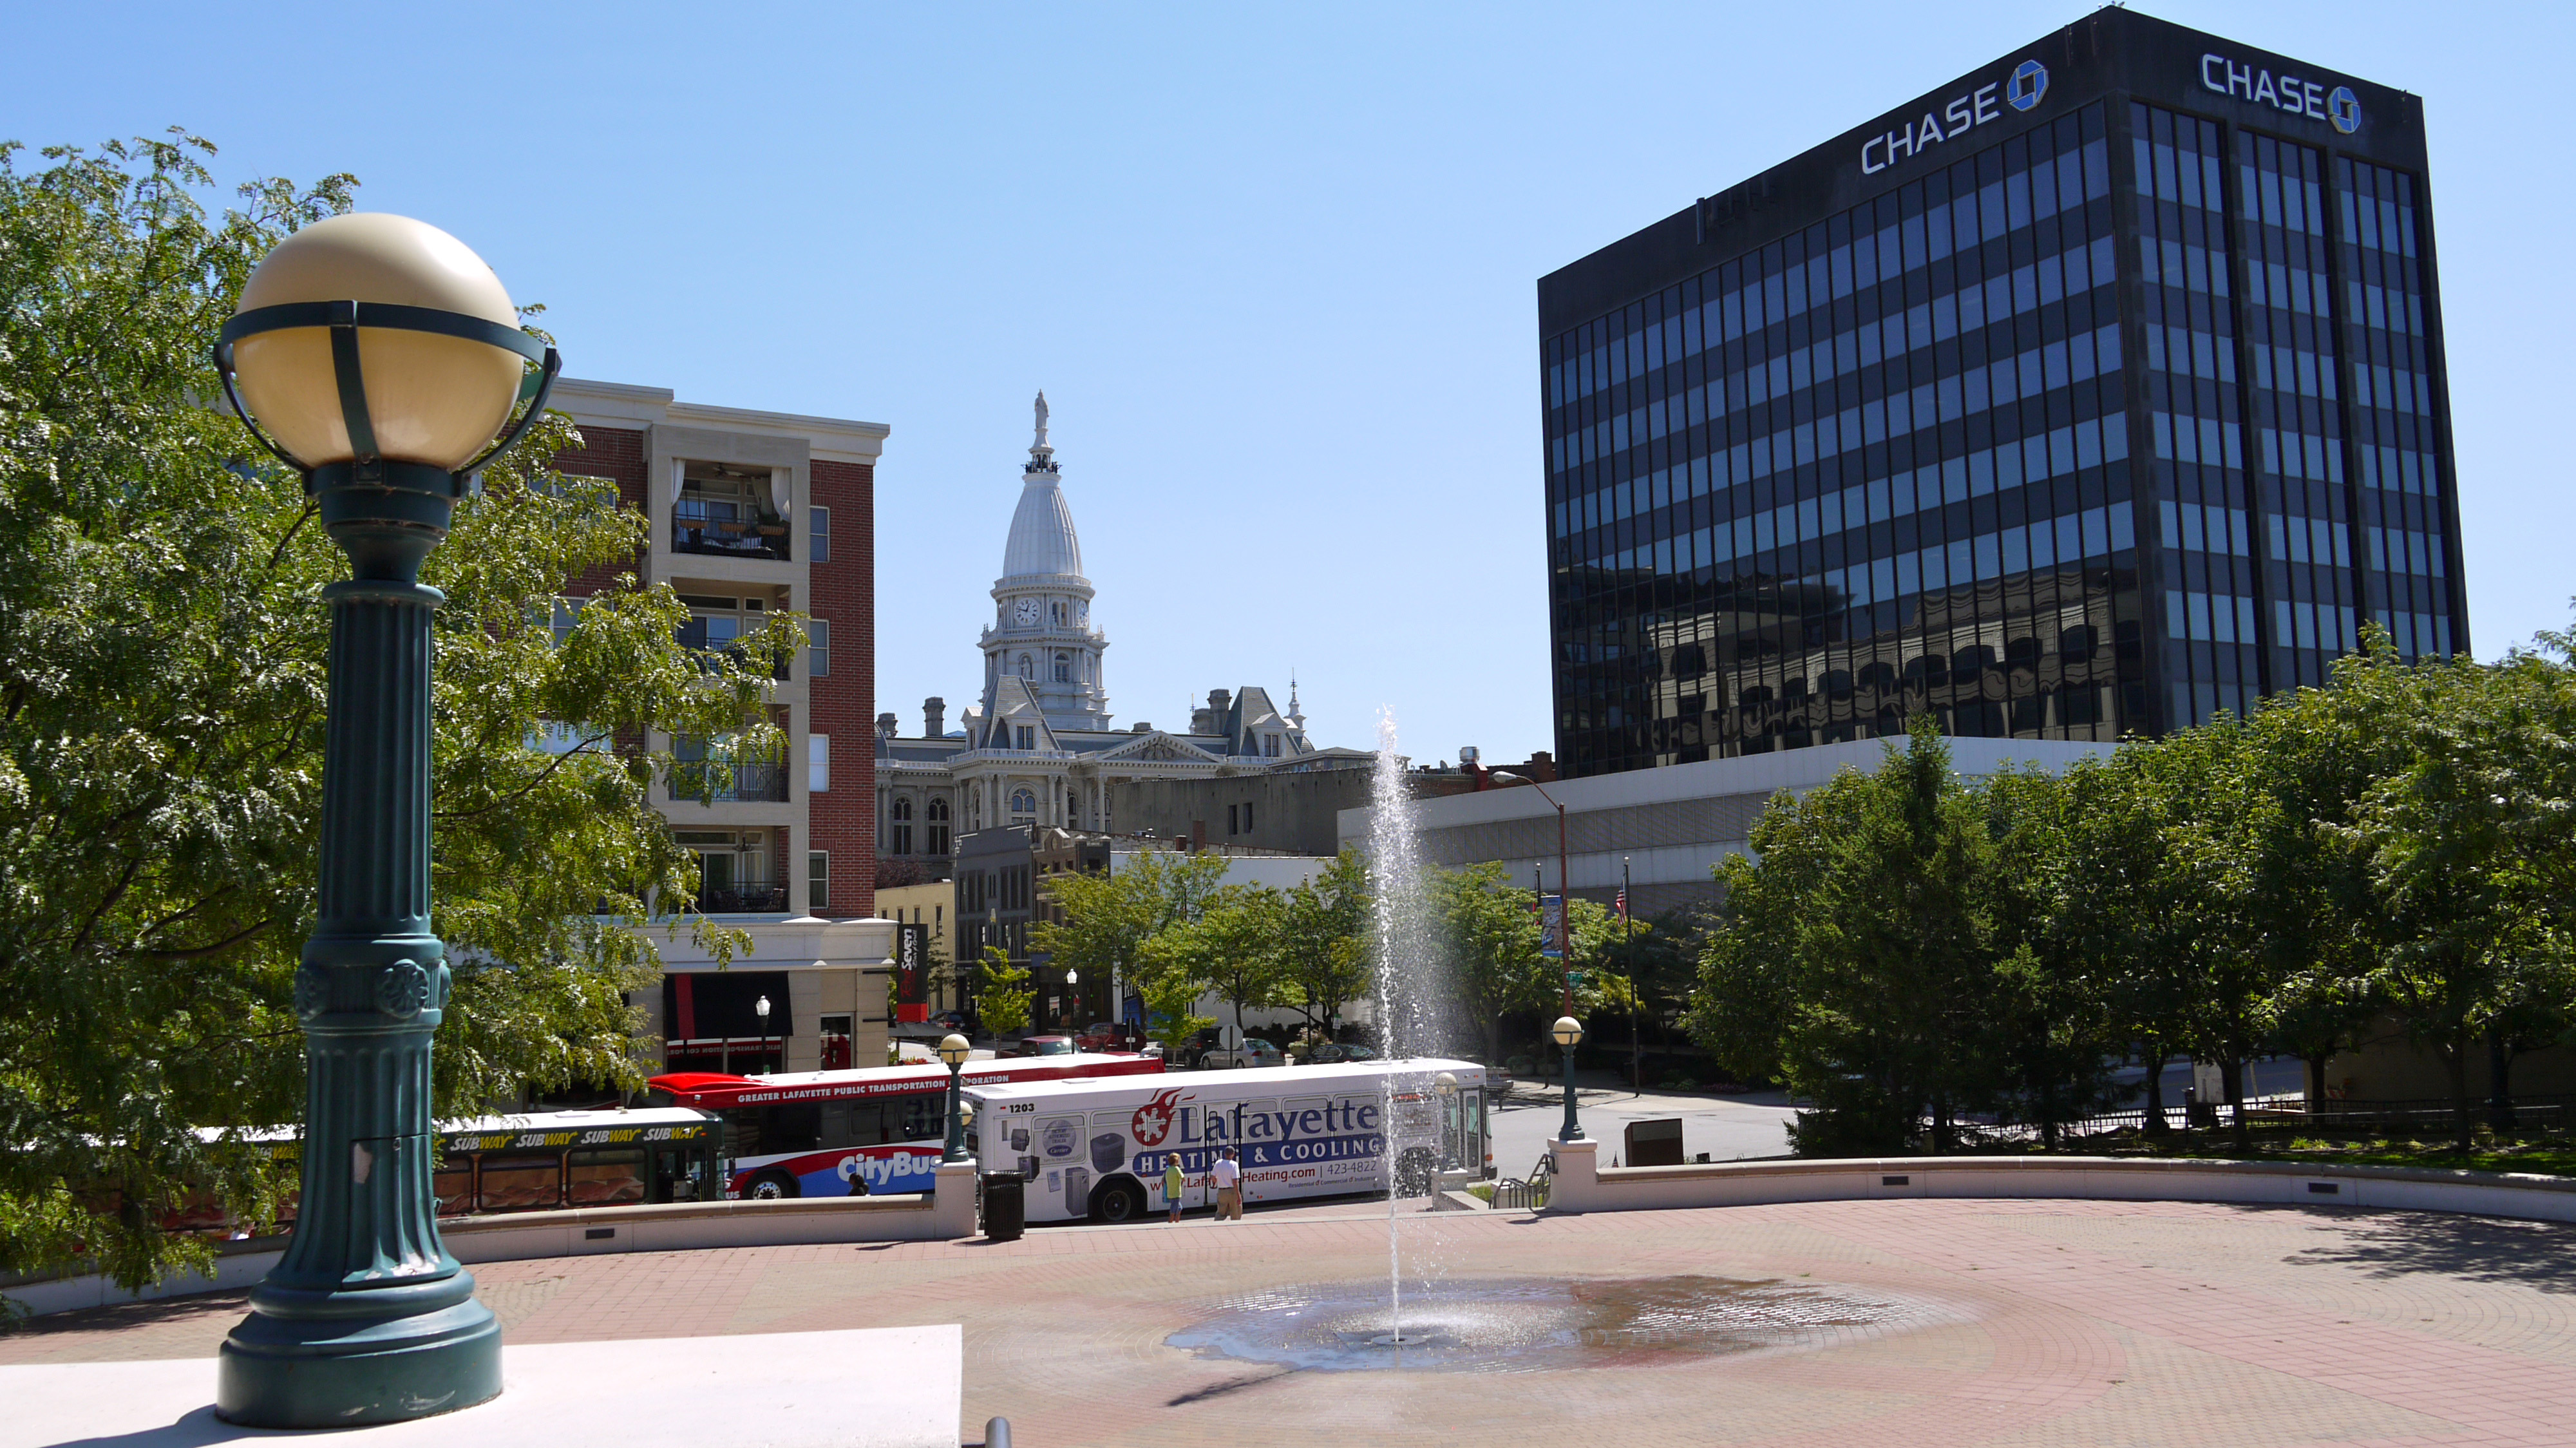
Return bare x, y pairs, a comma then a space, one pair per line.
1569, 1034
377, 356
953, 1051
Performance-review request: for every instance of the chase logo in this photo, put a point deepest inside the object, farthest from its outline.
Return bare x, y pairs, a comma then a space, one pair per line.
2344, 109
2029, 82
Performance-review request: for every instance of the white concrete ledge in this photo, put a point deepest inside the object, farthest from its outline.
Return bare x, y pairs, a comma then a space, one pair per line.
1582, 1185
944, 1215
875, 1387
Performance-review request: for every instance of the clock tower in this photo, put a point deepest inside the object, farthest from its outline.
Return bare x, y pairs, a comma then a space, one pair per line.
1042, 630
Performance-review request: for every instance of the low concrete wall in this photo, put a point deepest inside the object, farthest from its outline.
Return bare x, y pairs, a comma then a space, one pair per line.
1583, 1185
678, 1227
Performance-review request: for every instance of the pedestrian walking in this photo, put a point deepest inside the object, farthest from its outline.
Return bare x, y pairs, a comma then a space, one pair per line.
1228, 1176
1174, 1183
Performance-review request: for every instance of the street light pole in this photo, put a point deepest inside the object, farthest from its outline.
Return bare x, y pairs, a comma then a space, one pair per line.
1569, 1034
762, 1010
375, 355
1564, 899
953, 1052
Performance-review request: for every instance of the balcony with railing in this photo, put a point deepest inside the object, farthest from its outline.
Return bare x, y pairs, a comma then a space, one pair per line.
728, 517
711, 636
746, 898
707, 781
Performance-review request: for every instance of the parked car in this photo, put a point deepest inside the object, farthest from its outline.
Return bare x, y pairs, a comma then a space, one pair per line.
1253, 1052
1039, 1046
1334, 1052
1103, 1036
949, 1020
1196, 1044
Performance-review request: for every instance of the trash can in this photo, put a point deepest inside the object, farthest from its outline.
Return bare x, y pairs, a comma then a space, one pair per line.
1006, 1207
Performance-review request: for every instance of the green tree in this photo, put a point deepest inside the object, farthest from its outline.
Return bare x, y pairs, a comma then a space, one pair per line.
1231, 949
1324, 942
2472, 847
162, 696
1109, 918
1489, 939
1884, 992
1002, 993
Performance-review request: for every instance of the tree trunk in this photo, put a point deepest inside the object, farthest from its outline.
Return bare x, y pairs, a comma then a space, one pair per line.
2317, 1083
2455, 1055
2235, 1068
2155, 1123
2500, 1112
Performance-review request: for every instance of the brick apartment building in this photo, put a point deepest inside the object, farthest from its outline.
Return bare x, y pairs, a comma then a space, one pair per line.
752, 513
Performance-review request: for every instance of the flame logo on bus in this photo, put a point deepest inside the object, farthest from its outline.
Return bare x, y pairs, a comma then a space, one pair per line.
1153, 1120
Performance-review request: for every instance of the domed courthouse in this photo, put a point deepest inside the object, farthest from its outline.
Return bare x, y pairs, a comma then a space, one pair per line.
1039, 747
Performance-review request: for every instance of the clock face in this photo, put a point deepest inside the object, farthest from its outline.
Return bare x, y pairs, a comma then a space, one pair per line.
1026, 611
1081, 611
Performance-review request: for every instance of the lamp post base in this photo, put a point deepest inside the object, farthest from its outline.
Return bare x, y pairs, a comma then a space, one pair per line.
306, 1359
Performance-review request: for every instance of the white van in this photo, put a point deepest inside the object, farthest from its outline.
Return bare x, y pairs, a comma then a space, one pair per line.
1097, 1148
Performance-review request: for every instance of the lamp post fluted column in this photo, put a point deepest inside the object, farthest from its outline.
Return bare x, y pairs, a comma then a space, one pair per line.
367, 1318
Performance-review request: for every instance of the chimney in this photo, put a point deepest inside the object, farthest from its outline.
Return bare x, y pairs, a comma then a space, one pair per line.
1140, 727
1200, 723
886, 725
934, 714
1217, 704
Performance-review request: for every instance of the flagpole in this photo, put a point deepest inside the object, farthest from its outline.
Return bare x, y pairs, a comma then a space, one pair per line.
1628, 927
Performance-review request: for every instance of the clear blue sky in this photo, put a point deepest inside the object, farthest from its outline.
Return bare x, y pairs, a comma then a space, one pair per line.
1274, 266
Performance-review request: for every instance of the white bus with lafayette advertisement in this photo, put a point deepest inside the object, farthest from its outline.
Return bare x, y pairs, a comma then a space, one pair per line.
1096, 1149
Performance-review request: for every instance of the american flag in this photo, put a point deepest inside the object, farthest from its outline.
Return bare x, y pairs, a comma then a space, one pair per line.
1623, 904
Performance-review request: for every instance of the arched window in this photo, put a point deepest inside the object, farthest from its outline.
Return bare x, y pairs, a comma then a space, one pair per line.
939, 811
902, 809
938, 827
902, 826
1059, 615
1028, 667
1072, 805
1064, 668
1024, 805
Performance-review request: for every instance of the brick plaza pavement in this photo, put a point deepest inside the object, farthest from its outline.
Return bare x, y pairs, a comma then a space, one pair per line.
2058, 1323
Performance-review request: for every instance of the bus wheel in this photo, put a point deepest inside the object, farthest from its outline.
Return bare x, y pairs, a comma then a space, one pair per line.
1413, 1174
1118, 1202
770, 1186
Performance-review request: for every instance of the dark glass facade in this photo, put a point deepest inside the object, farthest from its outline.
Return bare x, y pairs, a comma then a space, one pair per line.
2129, 414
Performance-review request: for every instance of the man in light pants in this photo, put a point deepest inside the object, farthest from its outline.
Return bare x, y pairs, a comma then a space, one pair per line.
1228, 1176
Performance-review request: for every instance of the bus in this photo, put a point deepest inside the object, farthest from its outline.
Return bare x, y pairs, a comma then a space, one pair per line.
1097, 1149
862, 1132
533, 1162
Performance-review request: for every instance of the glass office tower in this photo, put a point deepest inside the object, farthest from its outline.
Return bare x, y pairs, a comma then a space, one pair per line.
2091, 394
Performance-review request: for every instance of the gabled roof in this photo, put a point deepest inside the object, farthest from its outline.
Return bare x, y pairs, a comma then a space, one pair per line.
1159, 745
1010, 704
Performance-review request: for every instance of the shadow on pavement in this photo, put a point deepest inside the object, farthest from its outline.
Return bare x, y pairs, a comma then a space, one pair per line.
2478, 1249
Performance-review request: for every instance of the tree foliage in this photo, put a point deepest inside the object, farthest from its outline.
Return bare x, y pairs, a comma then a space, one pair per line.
1907, 946
162, 696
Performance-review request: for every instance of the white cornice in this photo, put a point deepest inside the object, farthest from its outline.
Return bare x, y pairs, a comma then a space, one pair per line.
621, 404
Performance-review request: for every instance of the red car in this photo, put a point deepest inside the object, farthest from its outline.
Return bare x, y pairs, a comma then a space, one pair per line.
1103, 1036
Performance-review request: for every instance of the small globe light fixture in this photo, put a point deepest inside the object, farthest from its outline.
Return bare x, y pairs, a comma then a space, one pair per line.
1568, 1033
954, 1049
381, 359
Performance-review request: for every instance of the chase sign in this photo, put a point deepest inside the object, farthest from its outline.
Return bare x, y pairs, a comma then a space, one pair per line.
2021, 90
2339, 107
